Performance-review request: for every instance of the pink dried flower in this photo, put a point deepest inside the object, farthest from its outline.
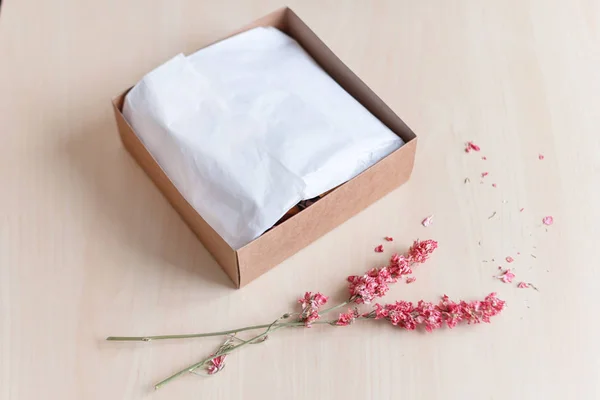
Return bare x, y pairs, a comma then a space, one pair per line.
509, 259
430, 316
320, 299
427, 221
216, 364
399, 265
410, 279
365, 288
452, 312
382, 276
548, 220
471, 146
494, 185
420, 250
507, 276
484, 158
389, 238
541, 156
379, 249
492, 306
478, 311
398, 313
484, 174
346, 319
310, 304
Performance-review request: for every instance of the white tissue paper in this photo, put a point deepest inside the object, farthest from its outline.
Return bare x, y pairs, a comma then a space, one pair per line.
248, 127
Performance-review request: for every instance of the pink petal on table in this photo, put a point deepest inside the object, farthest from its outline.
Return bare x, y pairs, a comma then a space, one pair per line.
427, 221
389, 238
379, 249
549, 220
472, 146
509, 259
507, 276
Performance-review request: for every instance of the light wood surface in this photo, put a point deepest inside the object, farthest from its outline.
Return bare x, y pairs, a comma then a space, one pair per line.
89, 248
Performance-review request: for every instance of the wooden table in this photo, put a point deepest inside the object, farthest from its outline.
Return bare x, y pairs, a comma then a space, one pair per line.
89, 247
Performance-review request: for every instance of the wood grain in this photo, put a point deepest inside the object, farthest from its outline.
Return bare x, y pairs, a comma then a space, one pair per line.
89, 247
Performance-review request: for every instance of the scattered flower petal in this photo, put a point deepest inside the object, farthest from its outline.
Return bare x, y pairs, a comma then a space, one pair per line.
548, 220
524, 285
484, 174
507, 276
494, 185
521, 210
471, 146
541, 156
427, 221
509, 259
410, 279
389, 238
379, 249
484, 158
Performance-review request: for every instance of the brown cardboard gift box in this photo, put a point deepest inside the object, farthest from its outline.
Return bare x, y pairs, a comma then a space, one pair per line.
345, 201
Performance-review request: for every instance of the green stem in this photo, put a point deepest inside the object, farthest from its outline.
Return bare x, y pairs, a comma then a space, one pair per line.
199, 364
325, 311
187, 336
209, 334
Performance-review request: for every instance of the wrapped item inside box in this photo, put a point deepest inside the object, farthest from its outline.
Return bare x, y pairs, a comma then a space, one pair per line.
251, 126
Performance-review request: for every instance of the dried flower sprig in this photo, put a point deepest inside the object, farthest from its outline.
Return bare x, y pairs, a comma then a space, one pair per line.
362, 289
432, 316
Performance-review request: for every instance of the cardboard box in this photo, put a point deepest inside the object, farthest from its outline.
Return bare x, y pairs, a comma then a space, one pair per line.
284, 240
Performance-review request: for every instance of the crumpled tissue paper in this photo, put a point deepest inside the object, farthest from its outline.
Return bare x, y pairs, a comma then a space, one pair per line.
249, 126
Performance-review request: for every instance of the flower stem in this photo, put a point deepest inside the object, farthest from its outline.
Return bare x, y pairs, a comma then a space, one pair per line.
199, 364
209, 334
187, 336
272, 328
325, 311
